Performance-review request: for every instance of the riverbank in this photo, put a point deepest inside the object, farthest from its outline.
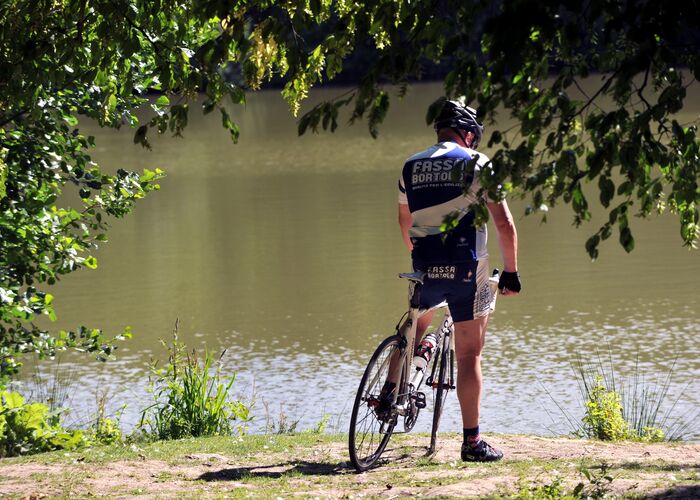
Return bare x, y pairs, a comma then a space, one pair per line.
316, 465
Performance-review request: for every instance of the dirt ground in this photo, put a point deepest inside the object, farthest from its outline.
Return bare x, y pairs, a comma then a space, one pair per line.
323, 471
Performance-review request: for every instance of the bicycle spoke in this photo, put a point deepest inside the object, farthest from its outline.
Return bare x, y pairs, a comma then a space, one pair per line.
373, 420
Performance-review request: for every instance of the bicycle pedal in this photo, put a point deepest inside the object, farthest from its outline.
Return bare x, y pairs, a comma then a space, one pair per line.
420, 400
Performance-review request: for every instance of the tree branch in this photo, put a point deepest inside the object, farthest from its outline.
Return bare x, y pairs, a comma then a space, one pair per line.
640, 90
12, 118
598, 92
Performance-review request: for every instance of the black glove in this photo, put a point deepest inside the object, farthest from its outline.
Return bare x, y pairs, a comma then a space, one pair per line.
511, 281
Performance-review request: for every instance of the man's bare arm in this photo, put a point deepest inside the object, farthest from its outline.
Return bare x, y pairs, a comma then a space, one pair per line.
405, 222
507, 234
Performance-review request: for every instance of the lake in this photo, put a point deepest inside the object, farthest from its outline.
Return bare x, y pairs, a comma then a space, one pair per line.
285, 252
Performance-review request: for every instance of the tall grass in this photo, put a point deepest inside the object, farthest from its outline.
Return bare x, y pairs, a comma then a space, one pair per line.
54, 387
635, 408
191, 397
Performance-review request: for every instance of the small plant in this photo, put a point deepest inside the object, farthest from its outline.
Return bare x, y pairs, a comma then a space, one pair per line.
598, 483
551, 491
283, 425
322, 424
596, 486
191, 398
604, 419
106, 430
27, 428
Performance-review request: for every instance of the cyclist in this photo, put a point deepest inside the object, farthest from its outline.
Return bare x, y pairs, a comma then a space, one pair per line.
456, 262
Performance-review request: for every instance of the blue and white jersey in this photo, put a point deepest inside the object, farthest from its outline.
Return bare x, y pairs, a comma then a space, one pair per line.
433, 192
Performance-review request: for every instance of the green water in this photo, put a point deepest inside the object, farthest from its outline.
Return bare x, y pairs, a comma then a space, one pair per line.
285, 251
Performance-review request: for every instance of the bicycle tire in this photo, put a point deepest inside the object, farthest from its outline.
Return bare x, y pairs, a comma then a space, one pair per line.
443, 387
369, 434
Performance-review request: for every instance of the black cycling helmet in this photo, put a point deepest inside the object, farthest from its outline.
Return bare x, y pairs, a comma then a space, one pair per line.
457, 116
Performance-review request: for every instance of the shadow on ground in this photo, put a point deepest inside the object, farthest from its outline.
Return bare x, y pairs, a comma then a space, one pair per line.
307, 468
657, 467
278, 470
678, 493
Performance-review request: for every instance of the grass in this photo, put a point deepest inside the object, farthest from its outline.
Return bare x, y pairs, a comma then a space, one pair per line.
311, 465
175, 450
191, 396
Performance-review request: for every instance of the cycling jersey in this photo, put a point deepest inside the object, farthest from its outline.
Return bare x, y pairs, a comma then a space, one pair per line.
433, 185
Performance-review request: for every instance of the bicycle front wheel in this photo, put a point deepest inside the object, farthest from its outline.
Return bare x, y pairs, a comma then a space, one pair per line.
444, 384
373, 415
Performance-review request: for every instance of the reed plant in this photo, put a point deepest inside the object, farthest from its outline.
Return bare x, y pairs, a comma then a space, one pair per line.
636, 408
191, 397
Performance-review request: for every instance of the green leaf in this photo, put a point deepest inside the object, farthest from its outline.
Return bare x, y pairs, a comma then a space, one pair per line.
230, 125
626, 239
607, 190
12, 399
434, 110
163, 101
70, 120
592, 246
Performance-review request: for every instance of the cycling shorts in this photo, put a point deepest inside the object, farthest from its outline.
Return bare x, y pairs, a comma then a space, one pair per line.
464, 285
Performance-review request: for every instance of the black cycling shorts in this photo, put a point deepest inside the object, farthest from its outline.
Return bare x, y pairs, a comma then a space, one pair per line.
464, 285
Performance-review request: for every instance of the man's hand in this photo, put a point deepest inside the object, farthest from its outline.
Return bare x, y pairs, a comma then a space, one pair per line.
509, 283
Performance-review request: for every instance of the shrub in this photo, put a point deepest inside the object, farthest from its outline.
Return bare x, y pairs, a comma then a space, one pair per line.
604, 419
31, 428
191, 398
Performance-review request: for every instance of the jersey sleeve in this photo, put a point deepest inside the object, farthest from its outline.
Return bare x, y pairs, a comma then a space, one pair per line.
403, 200
483, 163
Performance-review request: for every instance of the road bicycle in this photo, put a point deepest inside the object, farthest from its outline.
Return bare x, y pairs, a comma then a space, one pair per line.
391, 388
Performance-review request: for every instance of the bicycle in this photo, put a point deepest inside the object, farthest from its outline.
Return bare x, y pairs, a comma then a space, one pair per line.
381, 401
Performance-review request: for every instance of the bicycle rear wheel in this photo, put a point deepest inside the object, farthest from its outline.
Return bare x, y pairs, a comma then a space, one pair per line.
444, 384
373, 419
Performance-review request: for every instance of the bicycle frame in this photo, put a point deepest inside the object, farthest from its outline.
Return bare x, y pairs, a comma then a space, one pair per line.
407, 331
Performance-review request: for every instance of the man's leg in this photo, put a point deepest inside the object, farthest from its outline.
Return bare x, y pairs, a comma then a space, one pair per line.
423, 324
469, 342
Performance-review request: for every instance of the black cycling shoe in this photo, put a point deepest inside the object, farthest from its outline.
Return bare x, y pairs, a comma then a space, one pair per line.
482, 452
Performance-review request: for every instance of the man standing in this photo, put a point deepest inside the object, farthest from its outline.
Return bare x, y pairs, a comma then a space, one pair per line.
456, 262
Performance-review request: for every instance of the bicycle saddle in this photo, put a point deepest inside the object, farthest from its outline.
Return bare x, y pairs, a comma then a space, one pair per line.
416, 277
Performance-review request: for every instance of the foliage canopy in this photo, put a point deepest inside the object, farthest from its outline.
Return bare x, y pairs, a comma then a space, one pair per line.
65, 60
